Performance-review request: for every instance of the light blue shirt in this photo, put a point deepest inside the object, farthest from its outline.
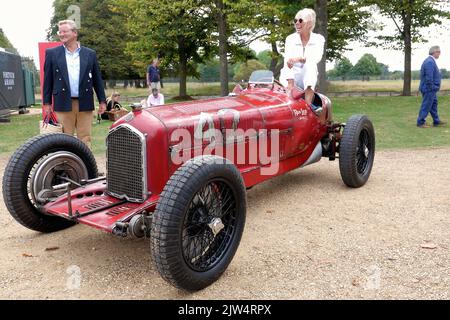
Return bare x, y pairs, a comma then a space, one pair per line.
73, 67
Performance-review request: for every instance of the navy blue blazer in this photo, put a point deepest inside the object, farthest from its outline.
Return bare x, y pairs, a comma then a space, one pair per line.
430, 76
56, 80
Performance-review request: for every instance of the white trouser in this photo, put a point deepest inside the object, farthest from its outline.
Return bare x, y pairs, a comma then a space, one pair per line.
305, 75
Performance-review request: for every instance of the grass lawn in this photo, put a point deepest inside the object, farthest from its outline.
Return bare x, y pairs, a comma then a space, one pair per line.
377, 85
394, 120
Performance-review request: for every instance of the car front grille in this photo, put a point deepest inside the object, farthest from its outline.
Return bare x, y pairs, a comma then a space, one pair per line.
126, 175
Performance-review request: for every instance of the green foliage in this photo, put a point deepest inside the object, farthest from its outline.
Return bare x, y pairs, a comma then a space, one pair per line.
179, 32
265, 57
410, 17
210, 71
348, 21
416, 15
6, 44
367, 66
102, 29
60, 13
343, 68
28, 63
244, 71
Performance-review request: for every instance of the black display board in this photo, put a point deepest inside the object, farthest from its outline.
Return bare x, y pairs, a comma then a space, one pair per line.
11, 82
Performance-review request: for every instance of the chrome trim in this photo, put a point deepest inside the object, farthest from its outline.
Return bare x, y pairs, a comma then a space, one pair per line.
315, 156
142, 138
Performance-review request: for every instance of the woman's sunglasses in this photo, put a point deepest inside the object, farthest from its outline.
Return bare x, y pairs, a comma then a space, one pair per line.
299, 20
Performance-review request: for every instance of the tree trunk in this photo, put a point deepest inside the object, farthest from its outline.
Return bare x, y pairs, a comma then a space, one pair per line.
137, 84
321, 28
223, 47
275, 66
183, 68
407, 41
112, 84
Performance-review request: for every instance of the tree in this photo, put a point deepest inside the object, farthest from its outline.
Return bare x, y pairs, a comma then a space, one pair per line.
367, 66
265, 57
109, 41
6, 44
60, 8
235, 31
339, 21
222, 25
343, 68
179, 32
321, 9
28, 63
409, 17
244, 70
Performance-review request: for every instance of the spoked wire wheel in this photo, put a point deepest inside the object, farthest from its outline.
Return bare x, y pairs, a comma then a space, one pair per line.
209, 225
198, 222
363, 152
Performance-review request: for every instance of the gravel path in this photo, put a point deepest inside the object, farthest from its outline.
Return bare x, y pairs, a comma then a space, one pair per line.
307, 237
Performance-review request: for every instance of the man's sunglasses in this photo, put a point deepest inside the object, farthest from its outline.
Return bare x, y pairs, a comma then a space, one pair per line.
299, 20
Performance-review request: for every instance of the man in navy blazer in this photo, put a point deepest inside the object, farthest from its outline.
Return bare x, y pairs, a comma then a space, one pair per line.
430, 83
71, 74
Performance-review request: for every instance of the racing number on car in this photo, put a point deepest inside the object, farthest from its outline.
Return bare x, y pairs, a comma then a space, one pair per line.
208, 119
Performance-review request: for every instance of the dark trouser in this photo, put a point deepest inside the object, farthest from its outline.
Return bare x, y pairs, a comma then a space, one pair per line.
429, 105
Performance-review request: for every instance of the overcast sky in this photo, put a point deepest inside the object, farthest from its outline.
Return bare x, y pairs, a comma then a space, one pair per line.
25, 22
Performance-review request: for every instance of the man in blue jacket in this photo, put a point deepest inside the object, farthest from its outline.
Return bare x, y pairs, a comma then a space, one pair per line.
430, 83
71, 73
154, 75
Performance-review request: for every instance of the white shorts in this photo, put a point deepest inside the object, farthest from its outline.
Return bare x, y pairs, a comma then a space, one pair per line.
305, 75
155, 85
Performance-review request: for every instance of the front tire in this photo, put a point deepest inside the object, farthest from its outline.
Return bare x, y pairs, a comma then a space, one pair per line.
198, 222
37, 165
357, 151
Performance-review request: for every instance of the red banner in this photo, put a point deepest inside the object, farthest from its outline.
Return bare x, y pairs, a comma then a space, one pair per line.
42, 47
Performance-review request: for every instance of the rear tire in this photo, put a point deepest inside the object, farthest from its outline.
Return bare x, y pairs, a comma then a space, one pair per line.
357, 151
23, 178
198, 222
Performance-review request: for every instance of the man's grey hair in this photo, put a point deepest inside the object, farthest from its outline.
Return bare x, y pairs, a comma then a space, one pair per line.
434, 49
309, 15
70, 23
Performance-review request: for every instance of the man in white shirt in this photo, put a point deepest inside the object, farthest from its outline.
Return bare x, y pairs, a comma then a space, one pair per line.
155, 99
303, 51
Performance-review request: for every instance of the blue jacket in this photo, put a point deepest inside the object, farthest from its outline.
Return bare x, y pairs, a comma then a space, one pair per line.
430, 76
56, 80
153, 73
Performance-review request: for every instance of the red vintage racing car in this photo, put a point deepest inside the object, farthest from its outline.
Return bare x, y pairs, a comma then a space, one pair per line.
178, 173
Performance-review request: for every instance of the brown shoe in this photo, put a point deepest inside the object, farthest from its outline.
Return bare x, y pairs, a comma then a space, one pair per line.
423, 126
440, 124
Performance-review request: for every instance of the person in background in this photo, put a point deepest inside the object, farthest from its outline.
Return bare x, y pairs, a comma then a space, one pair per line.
153, 75
112, 103
155, 99
430, 84
304, 50
71, 74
